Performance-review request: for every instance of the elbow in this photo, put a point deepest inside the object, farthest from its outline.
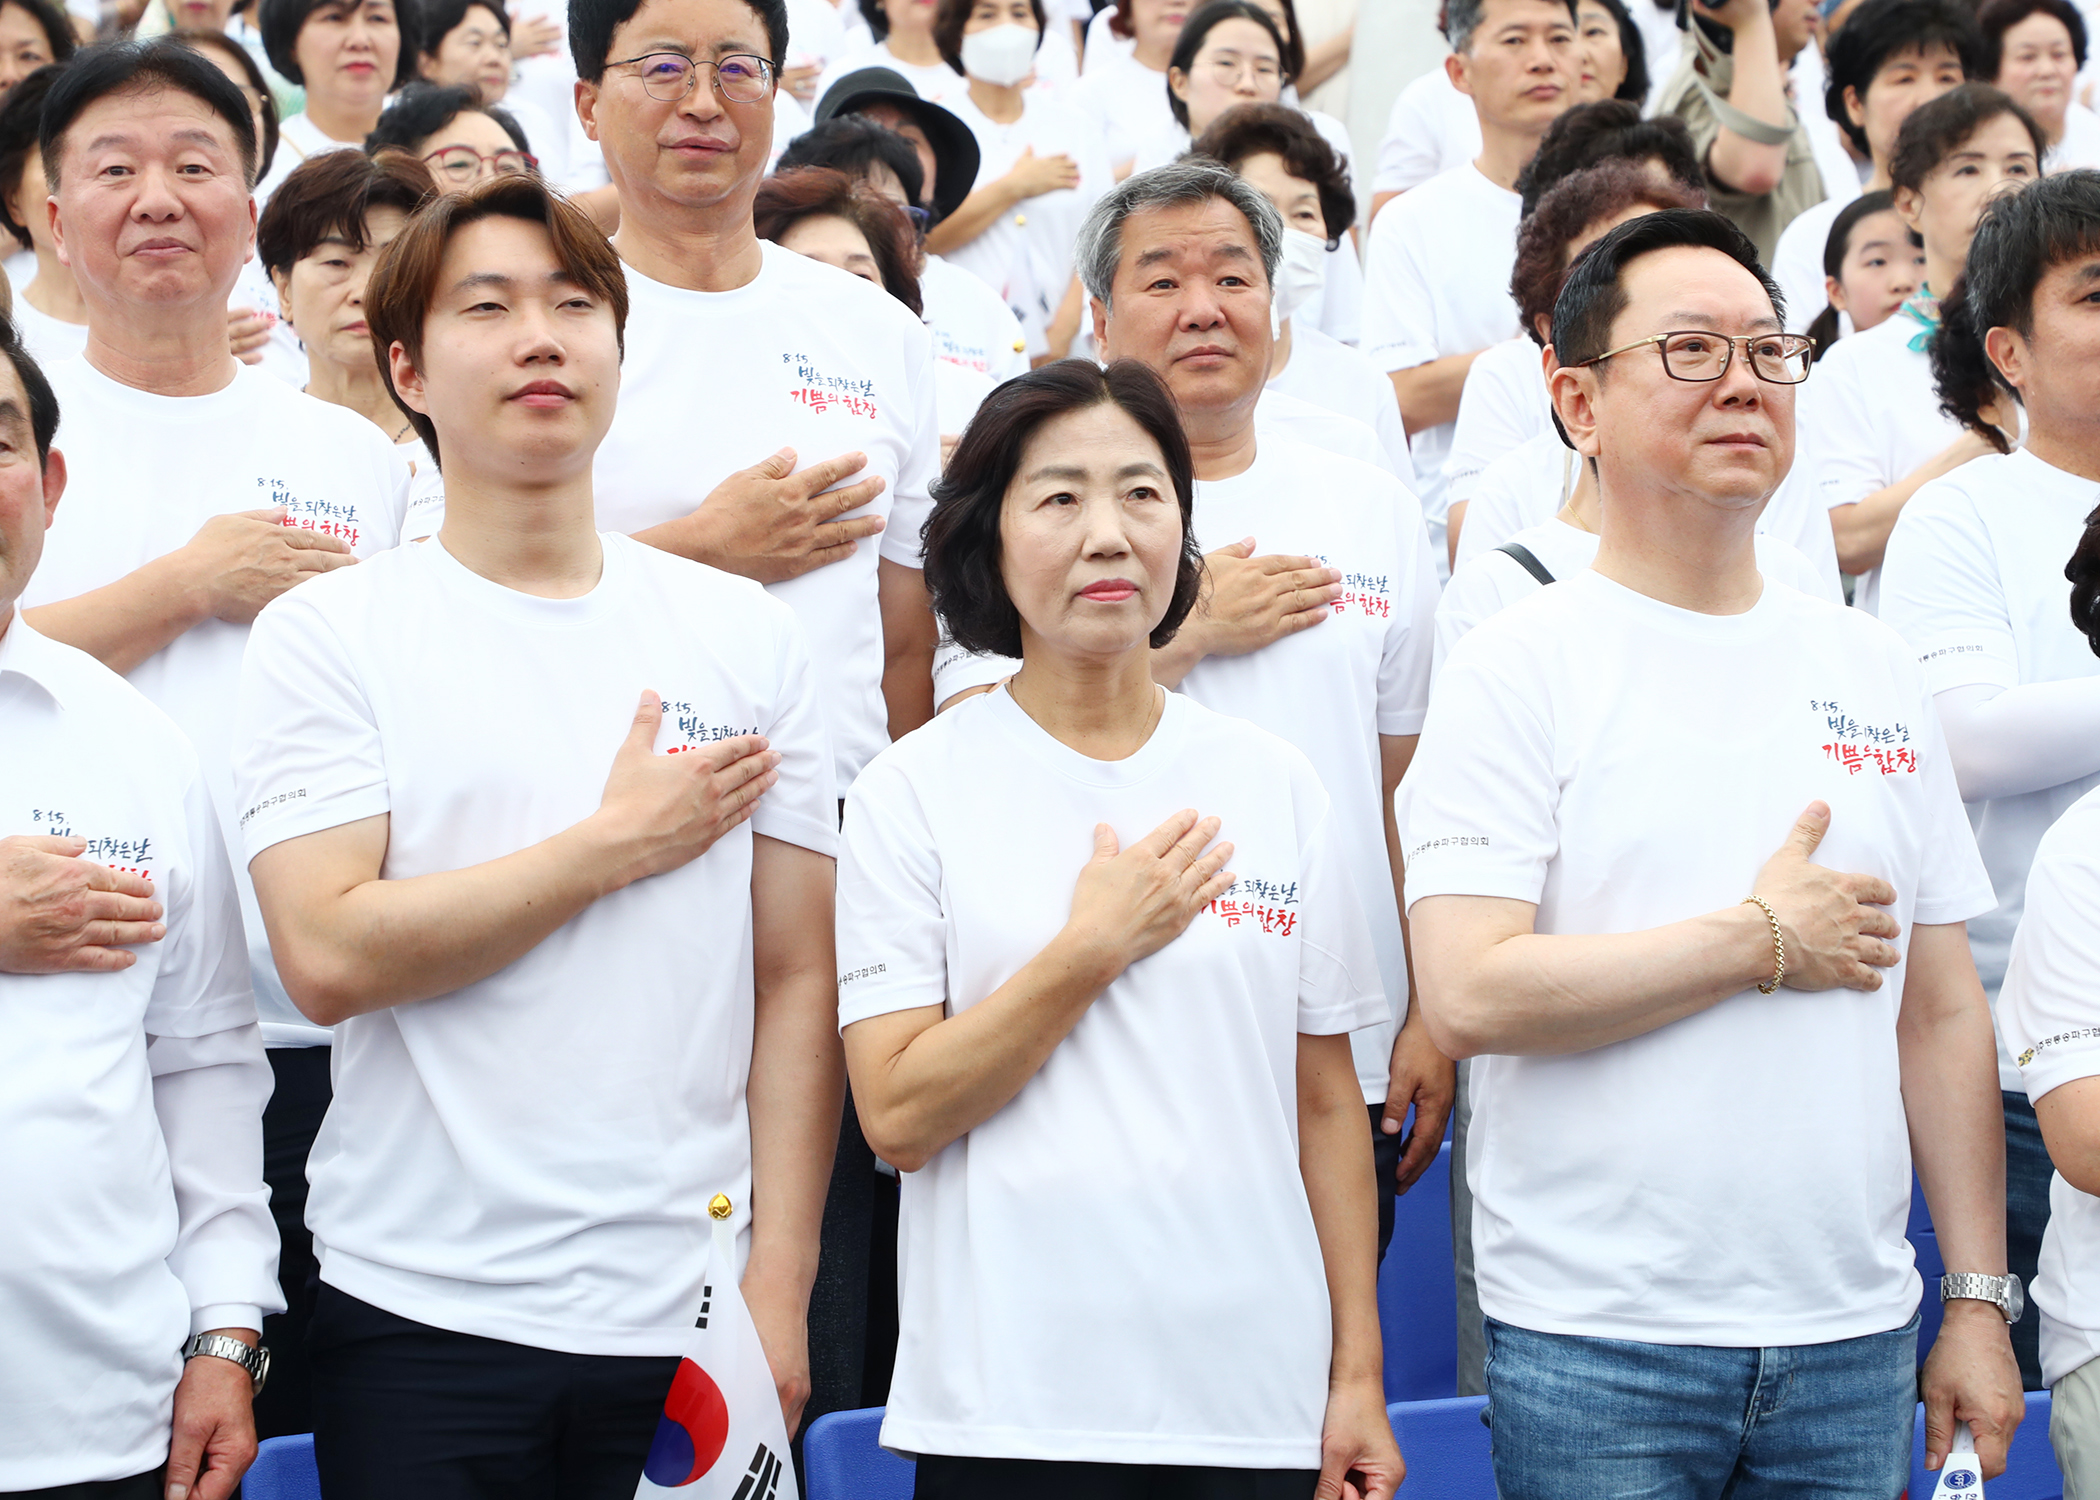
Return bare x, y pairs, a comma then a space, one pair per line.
895, 1137
326, 991
2081, 1171
1452, 1026
1751, 168
1758, 180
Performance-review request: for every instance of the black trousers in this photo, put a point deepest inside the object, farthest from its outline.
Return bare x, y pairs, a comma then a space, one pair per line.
137, 1487
1385, 1160
408, 1412
290, 1122
941, 1478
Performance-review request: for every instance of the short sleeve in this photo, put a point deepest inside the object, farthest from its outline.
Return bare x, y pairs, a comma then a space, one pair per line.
1843, 435
202, 986
1478, 808
1474, 593
1407, 156
1941, 590
1339, 988
913, 501
802, 807
1399, 327
1410, 634
957, 671
307, 755
1953, 884
2049, 1008
1493, 417
892, 928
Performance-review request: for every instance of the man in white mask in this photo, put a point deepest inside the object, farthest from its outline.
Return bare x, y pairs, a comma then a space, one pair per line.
1283, 156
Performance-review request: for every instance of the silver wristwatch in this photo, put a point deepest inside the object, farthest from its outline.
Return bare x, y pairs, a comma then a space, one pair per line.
255, 1360
2002, 1292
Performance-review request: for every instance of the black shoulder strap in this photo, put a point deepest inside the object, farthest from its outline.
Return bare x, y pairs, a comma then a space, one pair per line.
1526, 561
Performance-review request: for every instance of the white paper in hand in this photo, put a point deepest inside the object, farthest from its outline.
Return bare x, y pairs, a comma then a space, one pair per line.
721, 1436
1961, 1477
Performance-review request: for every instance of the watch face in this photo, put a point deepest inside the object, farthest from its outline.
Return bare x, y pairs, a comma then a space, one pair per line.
262, 1368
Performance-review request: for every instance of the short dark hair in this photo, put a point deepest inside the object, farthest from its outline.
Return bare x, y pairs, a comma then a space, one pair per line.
1996, 17
854, 145
1837, 245
952, 15
1882, 29
961, 536
1594, 294
43, 401
21, 111
281, 21
423, 109
2020, 237
56, 25
1608, 128
877, 18
1459, 19
440, 18
1252, 129
162, 63
327, 198
266, 100
1592, 195
404, 283
787, 198
1196, 30
593, 22
1633, 47
1937, 128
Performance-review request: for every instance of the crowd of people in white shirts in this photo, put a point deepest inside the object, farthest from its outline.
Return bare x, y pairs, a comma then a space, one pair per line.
959, 630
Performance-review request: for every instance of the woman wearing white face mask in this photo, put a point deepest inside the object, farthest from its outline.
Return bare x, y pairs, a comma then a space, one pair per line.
1042, 165
1288, 162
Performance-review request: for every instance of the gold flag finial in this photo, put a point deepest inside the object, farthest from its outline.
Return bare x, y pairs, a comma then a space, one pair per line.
719, 1206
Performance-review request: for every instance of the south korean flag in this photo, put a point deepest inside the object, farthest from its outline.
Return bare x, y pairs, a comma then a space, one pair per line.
721, 1436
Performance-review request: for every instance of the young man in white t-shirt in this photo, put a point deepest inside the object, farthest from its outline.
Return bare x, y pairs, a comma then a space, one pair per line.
200, 487
543, 822
1638, 797
1436, 273
137, 1258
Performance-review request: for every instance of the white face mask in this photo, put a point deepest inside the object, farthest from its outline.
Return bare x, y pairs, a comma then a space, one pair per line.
1301, 272
1001, 55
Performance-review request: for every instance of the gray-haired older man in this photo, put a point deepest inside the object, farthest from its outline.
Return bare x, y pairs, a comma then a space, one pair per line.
1177, 263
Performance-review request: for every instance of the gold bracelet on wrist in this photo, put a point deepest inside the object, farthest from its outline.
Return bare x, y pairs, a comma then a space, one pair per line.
1778, 944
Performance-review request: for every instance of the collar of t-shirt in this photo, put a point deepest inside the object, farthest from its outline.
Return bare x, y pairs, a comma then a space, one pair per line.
227, 402
2021, 473
1168, 736
1761, 619
26, 655
518, 608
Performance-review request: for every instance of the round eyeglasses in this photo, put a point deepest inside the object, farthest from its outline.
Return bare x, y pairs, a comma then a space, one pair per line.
669, 76
1781, 358
465, 164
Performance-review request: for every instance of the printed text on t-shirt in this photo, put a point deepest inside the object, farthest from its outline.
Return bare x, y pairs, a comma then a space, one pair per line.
821, 392
329, 517
691, 724
1857, 746
1262, 902
133, 856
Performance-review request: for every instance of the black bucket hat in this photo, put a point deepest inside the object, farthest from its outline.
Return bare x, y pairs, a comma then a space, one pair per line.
954, 147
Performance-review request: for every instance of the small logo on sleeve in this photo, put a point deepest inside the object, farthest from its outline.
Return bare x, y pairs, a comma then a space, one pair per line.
297, 794
1449, 841
1859, 746
2080, 1034
854, 976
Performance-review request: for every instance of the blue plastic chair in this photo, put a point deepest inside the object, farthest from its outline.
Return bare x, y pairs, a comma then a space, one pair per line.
1418, 1294
2030, 1468
284, 1470
1446, 1448
842, 1459
1926, 1245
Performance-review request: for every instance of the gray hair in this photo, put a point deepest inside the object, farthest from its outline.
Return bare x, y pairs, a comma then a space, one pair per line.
1184, 183
1462, 19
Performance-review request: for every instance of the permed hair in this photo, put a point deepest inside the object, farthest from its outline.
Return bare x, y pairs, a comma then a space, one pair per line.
328, 197
1183, 184
1254, 129
961, 537
1546, 238
422, 109
1936, 129
1996, 17
787, 198
1591, 133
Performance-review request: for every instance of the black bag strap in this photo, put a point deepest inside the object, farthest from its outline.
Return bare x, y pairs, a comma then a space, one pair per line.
1526, 561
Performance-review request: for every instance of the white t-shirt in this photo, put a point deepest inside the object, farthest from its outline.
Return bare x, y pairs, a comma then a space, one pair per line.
2046, 1014
1025, 255
131, 1101
1868, 415
1433, 129
957, 393
1436, 283
529, 1158
971, 324
1096, 1178
1166, 145
45, 337
1327, 372
297, 139
1323, 426
1503, 406
1494, 580
546, 136
143, 473
819, 32
1841, 171
1336, 305
1974, 580
1797, 264
1528, 487
1625, 764
284, 356
935, 82
2080, 146
1103, 45
803, 356
1126, 100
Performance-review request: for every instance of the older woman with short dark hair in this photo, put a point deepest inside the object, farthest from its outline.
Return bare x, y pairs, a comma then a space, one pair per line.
1138, 1228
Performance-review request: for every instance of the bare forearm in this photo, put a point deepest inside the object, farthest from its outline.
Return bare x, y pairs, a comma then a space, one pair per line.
1545, 995
1758, 89
798, 1080
909, 639
123, 623
959, 1072
1862, 531
973, 216
1334, 1159
1949, 1061
1325, 59
1429, 393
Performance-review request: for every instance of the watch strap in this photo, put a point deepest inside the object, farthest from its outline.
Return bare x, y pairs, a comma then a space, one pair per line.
2002, 1292
252, 1358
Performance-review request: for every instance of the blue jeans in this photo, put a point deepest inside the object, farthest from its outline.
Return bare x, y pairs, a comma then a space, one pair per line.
1576, 1418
